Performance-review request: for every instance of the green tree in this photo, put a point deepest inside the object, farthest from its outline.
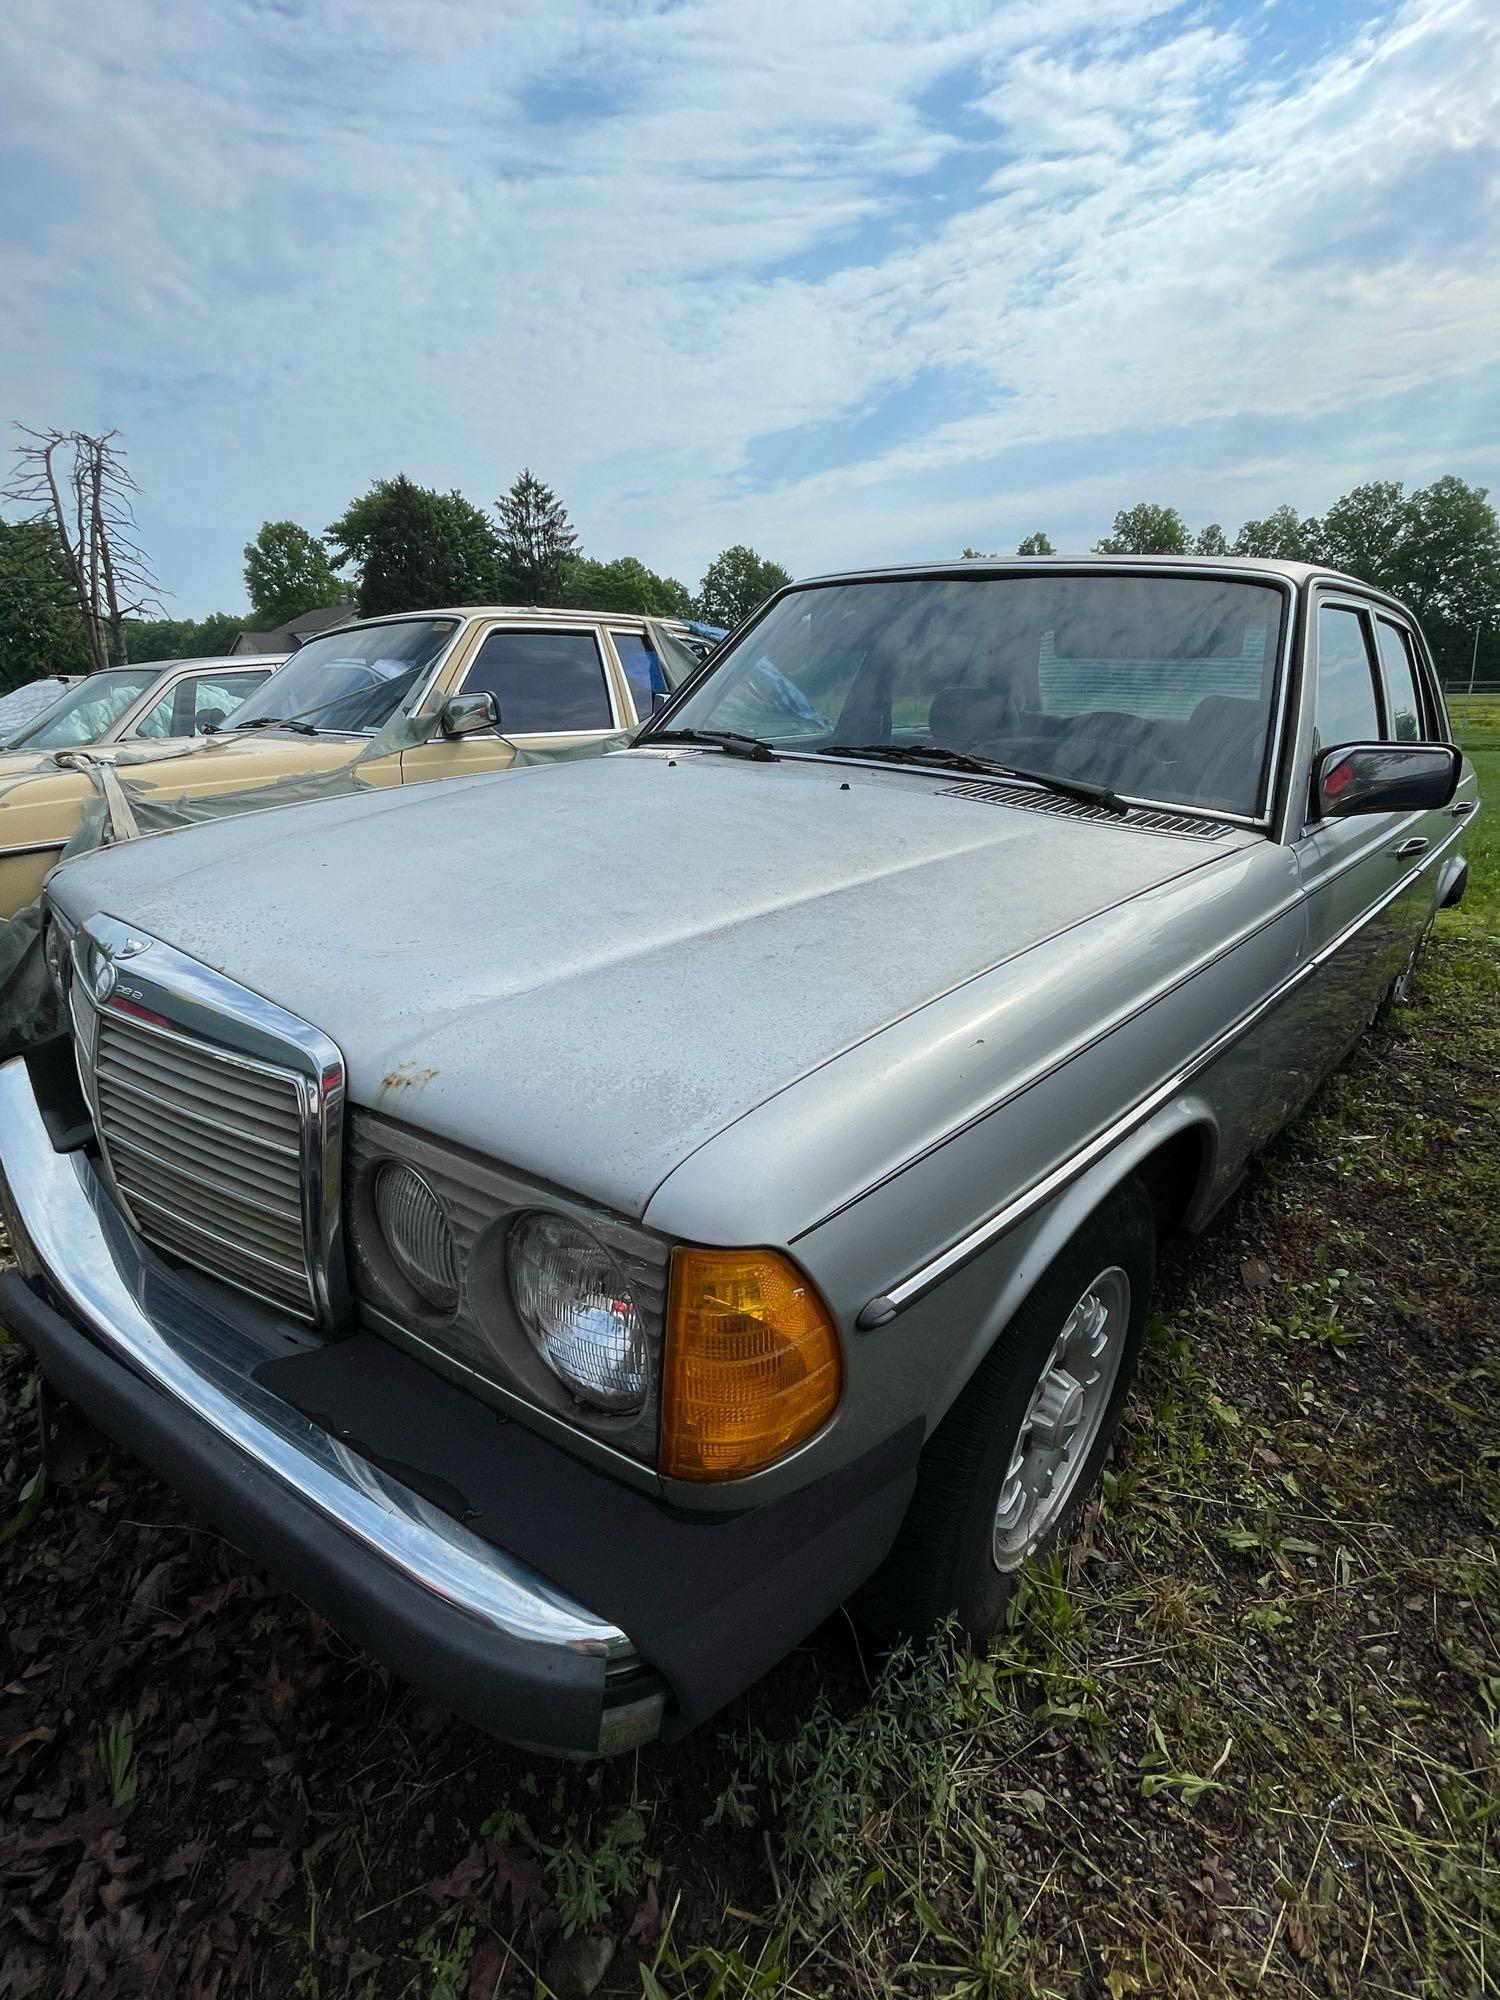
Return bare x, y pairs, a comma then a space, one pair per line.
1451, 575
625, 584
287, 571
1366, 533
184, 638
415, 548
1438, 550
537, 541
41, 629
1281, 536
735, 582
1039, 544
1146, 530
1211, 541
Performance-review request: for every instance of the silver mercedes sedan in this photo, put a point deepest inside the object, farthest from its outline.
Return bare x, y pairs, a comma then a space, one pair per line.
581, 1225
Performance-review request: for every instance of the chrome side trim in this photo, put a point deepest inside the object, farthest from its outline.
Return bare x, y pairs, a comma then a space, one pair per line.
34, 846
143, 1313
880, 1311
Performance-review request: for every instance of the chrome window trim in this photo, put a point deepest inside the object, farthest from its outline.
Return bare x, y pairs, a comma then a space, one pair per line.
609, 669
1344, 600
885, 1307
235, 1021
1429, 688
463, 622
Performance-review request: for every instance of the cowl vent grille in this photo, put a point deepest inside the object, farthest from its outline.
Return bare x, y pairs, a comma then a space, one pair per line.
1143, 819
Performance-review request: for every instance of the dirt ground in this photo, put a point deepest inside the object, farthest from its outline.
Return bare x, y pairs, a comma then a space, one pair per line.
1244, 1739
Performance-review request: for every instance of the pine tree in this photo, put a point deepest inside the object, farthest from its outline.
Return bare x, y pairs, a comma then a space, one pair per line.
537, 540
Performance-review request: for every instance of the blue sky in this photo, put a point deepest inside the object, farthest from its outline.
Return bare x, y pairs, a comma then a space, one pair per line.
852, 281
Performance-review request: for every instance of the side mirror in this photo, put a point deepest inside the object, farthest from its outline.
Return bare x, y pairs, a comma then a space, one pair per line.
207, 721
468, 715
1385, 777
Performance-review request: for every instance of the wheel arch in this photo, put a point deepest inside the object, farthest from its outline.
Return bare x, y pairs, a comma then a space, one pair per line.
1174, 1154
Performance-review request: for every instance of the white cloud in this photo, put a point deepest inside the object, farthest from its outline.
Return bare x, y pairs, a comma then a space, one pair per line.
292, 251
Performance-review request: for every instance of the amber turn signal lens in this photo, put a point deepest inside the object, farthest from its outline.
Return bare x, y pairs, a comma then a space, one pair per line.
752, 1363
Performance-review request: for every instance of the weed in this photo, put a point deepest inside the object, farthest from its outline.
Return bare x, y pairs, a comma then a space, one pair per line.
586, 1880
117, 1759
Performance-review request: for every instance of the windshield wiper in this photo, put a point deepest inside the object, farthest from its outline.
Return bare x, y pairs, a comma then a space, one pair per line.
990, 767
276, 722
731, 741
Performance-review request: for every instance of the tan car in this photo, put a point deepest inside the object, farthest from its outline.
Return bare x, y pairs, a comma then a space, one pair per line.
554, 679
151, 702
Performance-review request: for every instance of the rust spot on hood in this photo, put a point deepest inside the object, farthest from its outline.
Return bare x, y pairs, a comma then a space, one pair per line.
407, 1076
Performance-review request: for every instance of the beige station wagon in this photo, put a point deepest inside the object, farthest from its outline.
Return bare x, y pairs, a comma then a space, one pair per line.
550, 678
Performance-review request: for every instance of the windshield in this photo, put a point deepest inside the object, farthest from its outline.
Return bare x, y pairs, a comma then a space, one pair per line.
84, 713
1156, 687
353, 680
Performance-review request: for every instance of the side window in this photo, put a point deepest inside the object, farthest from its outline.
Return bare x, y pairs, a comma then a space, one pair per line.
1403, 696
1346, 707
157, 721
642, 670
543, 681
178, 711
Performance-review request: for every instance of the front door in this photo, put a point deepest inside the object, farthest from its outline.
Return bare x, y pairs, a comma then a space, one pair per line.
554, 689
1367, 900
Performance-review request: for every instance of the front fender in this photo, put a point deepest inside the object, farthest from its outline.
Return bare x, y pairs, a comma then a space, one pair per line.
1004, 1275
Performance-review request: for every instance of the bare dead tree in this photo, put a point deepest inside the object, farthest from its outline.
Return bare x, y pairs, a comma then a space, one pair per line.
81, 484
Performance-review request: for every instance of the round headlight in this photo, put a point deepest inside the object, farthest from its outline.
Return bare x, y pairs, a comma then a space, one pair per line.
578, 1310
418, 1234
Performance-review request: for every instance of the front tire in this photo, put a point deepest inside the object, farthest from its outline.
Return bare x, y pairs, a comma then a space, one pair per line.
1002, 1478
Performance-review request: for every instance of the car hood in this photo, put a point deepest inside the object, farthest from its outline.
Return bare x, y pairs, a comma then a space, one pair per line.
588, 970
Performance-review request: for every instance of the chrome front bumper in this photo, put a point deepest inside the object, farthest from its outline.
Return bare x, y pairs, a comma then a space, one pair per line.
171, 1366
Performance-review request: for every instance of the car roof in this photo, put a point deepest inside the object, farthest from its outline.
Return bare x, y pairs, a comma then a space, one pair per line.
209, 660
1294, 572
564, 614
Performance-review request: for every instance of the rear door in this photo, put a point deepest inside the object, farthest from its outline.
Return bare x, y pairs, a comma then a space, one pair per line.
555, 688
645, 677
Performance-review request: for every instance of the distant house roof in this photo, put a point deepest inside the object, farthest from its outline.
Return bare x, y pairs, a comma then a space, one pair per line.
296, 631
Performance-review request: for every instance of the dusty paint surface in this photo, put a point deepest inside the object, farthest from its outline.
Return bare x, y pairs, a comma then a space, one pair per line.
600, 965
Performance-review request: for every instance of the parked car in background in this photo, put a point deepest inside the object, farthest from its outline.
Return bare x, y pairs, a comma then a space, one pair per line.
581, 1229
21, 704
157, 700
559, 679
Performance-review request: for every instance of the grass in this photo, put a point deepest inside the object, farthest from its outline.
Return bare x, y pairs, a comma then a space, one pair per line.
1479, 734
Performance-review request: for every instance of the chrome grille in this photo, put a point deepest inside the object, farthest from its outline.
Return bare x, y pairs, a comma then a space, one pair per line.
206, 1151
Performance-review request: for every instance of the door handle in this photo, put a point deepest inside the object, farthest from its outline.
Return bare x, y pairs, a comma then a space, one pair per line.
1462, 809
1418, 844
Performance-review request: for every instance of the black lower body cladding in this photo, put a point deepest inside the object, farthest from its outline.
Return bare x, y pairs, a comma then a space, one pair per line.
711, 1600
